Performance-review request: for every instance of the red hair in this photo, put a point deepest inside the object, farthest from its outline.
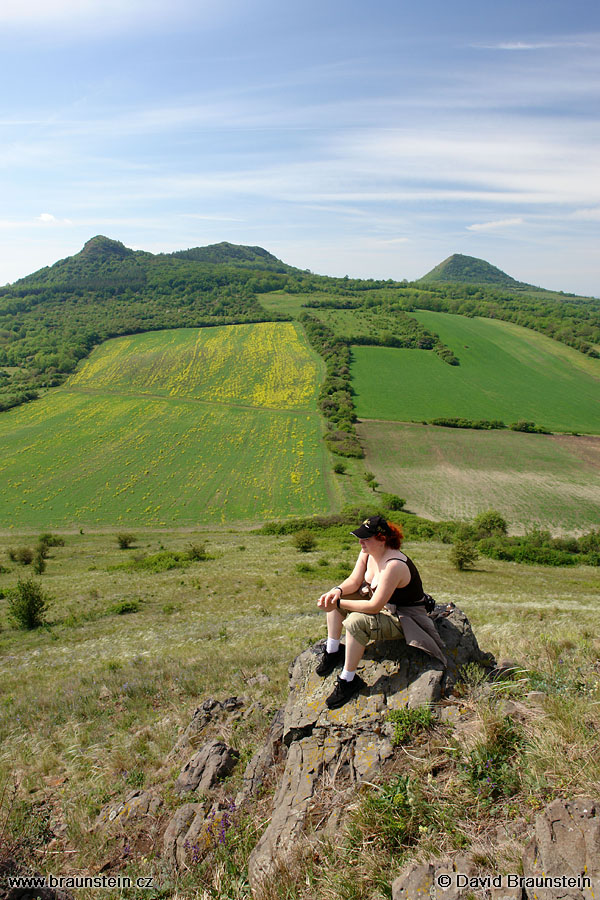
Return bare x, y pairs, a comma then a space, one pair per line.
394, 536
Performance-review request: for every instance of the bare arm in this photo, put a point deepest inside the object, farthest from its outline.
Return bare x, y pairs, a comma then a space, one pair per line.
351, 584
395, 574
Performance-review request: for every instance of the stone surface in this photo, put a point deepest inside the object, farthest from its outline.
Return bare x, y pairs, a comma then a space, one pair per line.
350, 744
261, 764
210, 710
212, 762
566, 843
419, 881
177, 829
136, 805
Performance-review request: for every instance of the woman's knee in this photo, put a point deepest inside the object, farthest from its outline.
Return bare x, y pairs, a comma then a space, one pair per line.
359, 626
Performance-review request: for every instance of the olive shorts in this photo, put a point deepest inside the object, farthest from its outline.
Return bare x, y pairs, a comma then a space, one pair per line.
410, 622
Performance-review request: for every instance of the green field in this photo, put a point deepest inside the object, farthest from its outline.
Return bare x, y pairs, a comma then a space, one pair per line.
506, 372
101, 452
450, 473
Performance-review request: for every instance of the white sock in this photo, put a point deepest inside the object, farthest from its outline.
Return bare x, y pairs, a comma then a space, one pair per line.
346, 675
332, 645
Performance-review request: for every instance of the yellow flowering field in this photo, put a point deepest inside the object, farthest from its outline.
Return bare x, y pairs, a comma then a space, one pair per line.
98, 454
268, 364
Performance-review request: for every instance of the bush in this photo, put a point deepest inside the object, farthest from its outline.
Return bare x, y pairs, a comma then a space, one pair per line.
304, 541
125, 541
408, 722
28, 605
22, 555
392, 501
590, 542
340, 468
490, 522
529, 427
51, 540
124, 607
39, 563
463, 554
197, 552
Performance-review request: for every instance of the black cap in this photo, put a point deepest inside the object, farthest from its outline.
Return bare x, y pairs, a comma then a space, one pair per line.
371, 527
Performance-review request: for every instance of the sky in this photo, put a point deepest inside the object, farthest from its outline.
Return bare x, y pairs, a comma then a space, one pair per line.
370, 140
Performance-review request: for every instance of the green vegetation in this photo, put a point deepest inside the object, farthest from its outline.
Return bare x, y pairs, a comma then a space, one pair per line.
53, 318
335, 398
469, 270
251, 449
505, 373
28, 604
409, 722
304, 540
463, 554
93, 704
477, 424
448, 473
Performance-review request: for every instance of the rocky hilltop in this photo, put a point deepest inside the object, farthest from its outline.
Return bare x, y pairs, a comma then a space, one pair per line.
307, 775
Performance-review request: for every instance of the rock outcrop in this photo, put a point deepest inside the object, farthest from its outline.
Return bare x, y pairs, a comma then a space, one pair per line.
349, 745
214, 761
560, 862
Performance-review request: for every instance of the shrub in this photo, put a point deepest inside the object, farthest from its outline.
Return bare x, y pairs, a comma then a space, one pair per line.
124, 607
392, 501
39, 563
197, 552
23, 556
340, 468
51, 540
590, 542
125, 541
28, 605
304, 541
529, 427
490, 522
463, 554
408, 722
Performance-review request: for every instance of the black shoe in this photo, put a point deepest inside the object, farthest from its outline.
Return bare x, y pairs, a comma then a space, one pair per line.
329, 661
344, 691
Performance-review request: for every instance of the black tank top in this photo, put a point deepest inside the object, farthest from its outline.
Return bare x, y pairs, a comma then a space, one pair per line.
412, 593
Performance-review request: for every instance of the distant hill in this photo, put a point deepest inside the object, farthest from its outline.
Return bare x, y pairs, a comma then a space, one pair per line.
234, 255
470, 270
105, 261
51, 319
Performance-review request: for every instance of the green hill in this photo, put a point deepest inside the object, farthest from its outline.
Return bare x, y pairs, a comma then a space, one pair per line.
234, 255
506, 372
470, 270
172, 428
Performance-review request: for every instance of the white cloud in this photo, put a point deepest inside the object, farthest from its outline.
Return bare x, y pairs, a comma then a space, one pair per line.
534, 45
43, 219
93, 16
587, 215
493, 226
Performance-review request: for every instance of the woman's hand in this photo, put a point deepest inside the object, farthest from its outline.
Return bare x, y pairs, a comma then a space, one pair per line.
328, 601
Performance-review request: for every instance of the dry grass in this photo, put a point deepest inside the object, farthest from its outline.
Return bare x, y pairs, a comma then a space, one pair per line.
92, 704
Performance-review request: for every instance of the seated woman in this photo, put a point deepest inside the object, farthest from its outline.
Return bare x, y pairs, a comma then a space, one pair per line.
381, 600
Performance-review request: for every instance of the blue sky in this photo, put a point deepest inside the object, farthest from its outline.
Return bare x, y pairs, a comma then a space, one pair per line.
368, 140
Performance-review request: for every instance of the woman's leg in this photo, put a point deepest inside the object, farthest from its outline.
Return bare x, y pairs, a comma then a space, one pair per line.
354, 653
334, 623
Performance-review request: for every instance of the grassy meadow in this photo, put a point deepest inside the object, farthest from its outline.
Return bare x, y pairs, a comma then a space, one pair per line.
93, 703
506, 372
547, 481
173, 428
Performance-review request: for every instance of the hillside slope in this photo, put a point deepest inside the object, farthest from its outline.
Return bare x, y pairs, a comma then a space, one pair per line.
470, 270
